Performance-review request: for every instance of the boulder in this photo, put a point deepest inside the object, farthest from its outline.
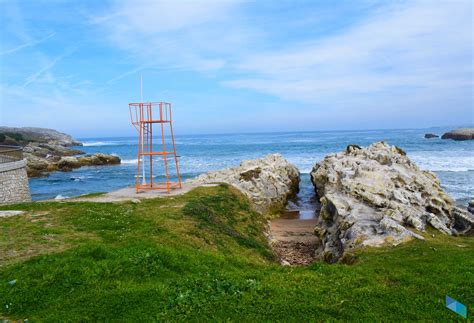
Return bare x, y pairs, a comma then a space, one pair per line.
98, 159
376, 196
431, 135
470, 206
459, 134
70, 162
268, 182
36, 166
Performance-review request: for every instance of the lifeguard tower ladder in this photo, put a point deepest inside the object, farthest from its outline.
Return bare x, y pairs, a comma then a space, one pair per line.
144, 116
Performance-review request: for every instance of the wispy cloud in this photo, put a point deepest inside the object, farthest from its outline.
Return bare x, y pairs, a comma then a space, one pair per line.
27, 44
191, 35
33, 77
402, 45
121, 76
411, 46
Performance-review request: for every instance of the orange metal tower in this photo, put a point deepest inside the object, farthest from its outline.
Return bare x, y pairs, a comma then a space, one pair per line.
143, 117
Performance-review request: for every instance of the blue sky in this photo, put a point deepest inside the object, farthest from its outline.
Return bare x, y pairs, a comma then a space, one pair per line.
237, 66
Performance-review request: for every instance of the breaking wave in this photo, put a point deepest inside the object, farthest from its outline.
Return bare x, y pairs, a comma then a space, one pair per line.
129, 161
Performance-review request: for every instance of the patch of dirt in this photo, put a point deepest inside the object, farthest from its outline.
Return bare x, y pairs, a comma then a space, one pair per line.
129, 193
293, 240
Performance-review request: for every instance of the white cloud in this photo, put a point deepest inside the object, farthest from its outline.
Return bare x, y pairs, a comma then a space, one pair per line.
425, 45
27, 44
46, 68
151, 17
199, 36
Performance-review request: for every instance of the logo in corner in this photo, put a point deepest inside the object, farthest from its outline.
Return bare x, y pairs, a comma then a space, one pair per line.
456, 307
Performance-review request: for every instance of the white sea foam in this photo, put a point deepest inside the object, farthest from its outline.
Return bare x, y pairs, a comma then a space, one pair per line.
434, 165
129, 161
60, 197
426, 161
432, 161
98, 143
437, 163
108, 143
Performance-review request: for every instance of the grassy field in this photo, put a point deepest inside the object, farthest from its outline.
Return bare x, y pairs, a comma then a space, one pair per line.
203, 256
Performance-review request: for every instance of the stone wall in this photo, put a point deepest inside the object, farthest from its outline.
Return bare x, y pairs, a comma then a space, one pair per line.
14, 182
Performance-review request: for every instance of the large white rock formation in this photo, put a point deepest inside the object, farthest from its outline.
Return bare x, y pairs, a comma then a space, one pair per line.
376, 195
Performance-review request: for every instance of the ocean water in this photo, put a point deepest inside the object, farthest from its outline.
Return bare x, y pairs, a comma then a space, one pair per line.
453, 161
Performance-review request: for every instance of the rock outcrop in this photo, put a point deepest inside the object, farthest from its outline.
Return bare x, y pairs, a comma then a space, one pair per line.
459, 134
45, 158
431, 135
470, 206
376, 195
48, 150
69, 163
42, 157
268, 182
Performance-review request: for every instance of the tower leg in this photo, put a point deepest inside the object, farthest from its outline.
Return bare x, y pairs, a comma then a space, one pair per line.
139, 154
174, 150
164, 147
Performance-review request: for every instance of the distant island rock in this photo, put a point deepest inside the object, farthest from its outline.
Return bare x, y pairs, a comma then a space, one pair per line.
377, 196
459, 134
48, 150
431, 135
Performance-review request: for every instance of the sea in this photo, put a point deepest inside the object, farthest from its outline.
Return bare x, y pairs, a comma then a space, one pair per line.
452, 161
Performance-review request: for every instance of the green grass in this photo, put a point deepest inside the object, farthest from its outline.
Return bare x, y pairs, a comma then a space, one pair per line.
202, 256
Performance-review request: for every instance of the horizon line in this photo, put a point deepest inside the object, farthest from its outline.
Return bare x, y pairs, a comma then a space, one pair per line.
294, 131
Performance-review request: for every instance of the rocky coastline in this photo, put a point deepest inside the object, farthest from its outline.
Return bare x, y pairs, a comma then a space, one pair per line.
373, 196
48, 150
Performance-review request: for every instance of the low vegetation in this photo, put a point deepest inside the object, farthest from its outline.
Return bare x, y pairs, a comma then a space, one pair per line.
203, 256
11, 137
